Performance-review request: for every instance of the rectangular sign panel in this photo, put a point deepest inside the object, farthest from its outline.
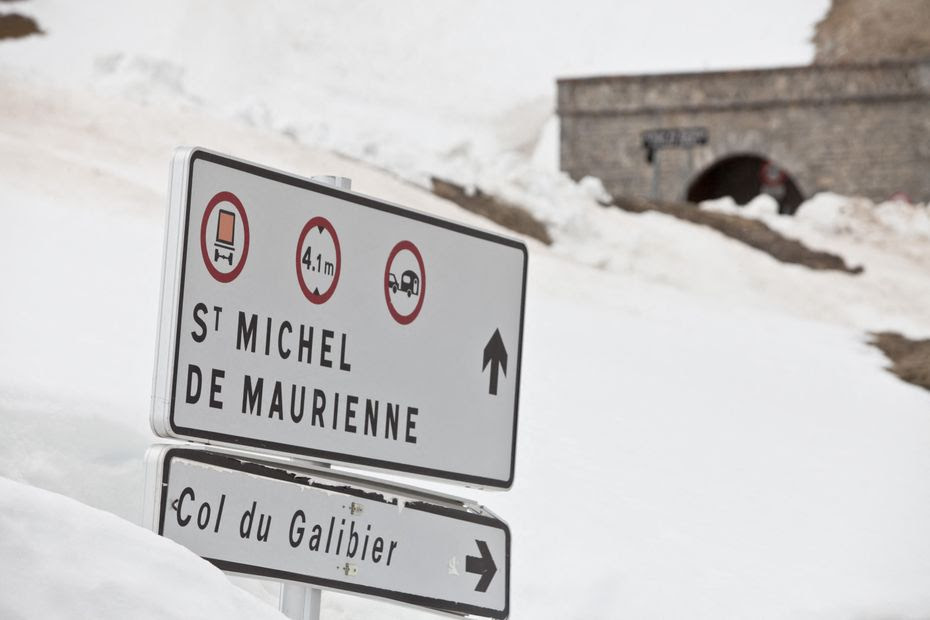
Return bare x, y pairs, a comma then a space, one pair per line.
303, 319
683, 137
330, 530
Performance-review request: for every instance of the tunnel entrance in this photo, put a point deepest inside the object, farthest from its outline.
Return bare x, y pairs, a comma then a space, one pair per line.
743, 177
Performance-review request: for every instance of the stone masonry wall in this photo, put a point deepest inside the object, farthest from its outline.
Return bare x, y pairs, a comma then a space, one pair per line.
860, 130
872, 30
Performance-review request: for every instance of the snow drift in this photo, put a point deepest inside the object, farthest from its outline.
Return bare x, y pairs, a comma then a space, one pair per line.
63, 559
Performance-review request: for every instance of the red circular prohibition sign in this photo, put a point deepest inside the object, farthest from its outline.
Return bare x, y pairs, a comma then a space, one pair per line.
400, 318
318, 222
216, 273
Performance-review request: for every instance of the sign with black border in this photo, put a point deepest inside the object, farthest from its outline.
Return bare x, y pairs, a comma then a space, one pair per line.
355, 358
258, 518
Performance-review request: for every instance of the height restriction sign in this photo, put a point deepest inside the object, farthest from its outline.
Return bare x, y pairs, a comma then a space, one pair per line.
304, 319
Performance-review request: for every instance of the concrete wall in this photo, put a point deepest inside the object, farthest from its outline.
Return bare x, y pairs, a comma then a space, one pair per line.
855, 129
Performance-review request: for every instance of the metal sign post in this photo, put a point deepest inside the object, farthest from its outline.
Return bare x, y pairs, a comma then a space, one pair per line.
298, 602
654, 158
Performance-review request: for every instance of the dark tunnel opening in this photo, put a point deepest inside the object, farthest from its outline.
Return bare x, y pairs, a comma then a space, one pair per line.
743, 177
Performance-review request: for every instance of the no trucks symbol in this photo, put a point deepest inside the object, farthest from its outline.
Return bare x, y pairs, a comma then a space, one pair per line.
224, 237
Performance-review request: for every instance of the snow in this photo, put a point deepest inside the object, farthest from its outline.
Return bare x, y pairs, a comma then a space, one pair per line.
704, 432
885, 225
416, 88
749, 463
683, 428
889, 239
62, 559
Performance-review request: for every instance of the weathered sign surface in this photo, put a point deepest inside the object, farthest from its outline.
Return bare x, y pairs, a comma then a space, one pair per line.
330, 530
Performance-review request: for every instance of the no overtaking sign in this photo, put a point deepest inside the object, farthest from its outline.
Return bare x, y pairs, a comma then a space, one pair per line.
308, 320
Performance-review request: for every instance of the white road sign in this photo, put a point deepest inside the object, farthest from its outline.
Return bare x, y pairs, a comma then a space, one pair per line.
304, 319
330, 530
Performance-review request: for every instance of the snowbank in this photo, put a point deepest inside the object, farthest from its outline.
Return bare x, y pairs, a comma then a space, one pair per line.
886, 225
61, 559
889, 240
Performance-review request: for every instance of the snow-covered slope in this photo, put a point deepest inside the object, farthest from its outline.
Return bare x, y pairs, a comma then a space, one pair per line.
415, 87
689, 446
703, 432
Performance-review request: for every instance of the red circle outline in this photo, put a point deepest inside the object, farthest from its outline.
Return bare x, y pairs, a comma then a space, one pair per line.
326, 225
218, 275
400, 318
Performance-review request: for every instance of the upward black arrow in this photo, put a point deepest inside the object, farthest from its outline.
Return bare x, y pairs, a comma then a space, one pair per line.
483, 566
496, 355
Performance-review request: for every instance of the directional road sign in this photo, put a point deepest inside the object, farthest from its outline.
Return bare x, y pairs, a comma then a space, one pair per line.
309, 320
330, 530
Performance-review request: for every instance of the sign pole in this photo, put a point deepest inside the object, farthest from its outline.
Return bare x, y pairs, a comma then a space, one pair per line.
655, 174
299, 602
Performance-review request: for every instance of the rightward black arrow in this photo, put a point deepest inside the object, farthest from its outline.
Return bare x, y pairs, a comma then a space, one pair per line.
496, 355
483, 566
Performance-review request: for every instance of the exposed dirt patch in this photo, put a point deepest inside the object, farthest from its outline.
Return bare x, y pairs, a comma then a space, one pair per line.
751, 232
504, 213
16, 26
910, 358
